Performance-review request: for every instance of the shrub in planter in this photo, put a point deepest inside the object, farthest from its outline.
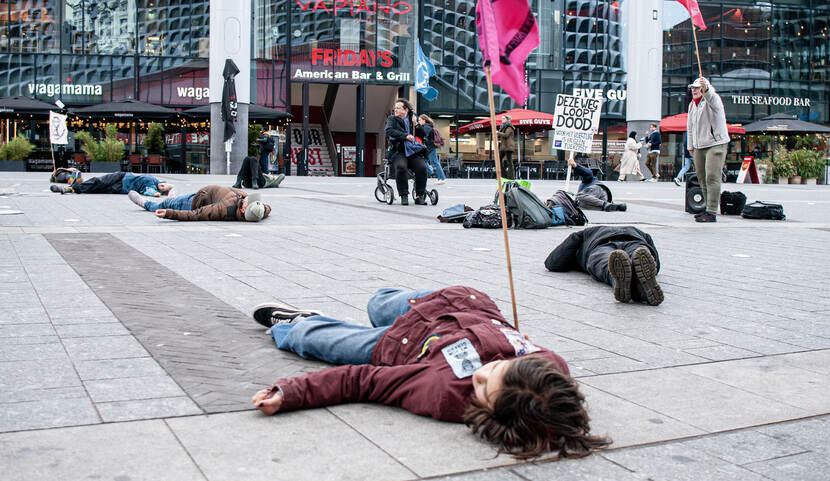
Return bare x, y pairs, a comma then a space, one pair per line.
154, 140
108, 149
254, 133
16, 149
809, 163
782, 165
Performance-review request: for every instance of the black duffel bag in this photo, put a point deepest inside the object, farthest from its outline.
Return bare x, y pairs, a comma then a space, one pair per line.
763, 210
732, 203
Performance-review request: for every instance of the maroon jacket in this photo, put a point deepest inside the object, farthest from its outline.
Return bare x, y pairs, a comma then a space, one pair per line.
424, 362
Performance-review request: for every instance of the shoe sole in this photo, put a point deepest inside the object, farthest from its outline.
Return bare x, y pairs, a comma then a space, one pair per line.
262, 313
619, 266
645, 269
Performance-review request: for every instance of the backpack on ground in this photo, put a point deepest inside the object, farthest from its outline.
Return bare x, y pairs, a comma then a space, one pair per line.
486, 217
763, 210
732, 203
456, 213
573, 214
437, 139
524, 209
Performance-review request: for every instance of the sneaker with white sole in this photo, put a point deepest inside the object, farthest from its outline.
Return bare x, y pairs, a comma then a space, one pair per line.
677, 181
270, 314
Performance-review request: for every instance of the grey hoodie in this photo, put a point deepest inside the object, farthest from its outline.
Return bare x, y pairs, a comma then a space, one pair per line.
706, 125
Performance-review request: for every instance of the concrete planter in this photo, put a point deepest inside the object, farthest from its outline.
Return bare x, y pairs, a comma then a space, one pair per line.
809, 180
783, 180
796, 179
13, 165
105, 167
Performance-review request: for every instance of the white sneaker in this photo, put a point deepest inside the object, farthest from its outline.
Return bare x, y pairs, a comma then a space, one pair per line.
652, 180
440, 182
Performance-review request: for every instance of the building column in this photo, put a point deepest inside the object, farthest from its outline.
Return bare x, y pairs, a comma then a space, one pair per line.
230, 27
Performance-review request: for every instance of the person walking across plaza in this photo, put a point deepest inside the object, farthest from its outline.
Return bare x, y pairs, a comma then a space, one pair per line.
707, 140
404, 152
117, 183
687, 162
448, 354
507, 144
653, 141
623, 257
427, 127
211, 203
630, 160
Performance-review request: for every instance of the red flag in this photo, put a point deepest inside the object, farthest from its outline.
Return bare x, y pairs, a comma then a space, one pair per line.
507, 33
694, 12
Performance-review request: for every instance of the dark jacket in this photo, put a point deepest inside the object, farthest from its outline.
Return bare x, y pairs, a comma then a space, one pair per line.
214, 202
410, 367
427, 134
654, 139
507, 137
573, 252
266, 144
396, 133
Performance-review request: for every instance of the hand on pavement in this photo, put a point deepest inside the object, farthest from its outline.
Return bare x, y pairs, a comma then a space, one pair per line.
160, 213
268, 401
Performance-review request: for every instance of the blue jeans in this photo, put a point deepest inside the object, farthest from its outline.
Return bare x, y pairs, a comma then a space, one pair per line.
432, 159
338, 342
687, 164
180, 202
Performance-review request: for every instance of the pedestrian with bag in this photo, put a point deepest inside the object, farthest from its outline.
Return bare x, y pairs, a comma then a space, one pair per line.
429, 135
404, 152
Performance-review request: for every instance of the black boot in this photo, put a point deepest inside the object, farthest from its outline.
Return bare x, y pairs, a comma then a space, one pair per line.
238, 184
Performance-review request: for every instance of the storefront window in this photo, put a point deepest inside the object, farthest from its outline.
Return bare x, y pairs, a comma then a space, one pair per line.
29, 27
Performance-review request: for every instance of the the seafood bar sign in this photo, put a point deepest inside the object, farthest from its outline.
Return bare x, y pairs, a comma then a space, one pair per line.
354, 41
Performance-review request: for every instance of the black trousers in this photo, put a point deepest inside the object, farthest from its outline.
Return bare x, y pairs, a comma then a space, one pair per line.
249, 171
507, 169
598, 258
105, 184
416, 163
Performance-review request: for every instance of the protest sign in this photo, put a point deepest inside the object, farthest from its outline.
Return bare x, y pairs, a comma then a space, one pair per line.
576, 120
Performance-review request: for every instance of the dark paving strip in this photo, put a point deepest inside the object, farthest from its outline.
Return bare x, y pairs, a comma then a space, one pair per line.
225, 356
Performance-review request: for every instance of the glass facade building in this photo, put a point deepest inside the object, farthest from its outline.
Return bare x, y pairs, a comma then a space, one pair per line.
762, 56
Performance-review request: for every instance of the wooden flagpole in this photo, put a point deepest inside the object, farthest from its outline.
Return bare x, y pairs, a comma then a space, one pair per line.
495, 138
697, 51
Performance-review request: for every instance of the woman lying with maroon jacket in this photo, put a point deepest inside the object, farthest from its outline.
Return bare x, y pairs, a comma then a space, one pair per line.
448, 354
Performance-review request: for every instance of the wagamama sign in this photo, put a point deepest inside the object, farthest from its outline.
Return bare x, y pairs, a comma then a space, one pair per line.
50, 90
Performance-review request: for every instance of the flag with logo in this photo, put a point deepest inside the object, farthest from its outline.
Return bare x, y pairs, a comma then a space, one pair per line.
694, 12
57, 129
423, 71
507, 33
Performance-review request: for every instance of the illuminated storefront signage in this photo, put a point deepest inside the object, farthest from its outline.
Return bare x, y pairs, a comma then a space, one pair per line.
349, 41
600, 94
50, 90
355, 8
766, 100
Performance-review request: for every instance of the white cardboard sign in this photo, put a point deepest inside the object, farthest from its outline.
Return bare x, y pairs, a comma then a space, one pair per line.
576, 120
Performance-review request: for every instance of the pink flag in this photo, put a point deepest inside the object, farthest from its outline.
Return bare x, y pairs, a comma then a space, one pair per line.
507, 33
694, 12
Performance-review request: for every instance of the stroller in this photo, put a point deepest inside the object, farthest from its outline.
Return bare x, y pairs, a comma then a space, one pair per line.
385, 193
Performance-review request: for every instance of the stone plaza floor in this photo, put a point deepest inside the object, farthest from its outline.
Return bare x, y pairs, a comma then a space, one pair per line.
127, 351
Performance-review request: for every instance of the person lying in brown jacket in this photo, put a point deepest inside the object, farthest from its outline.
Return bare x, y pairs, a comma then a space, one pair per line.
212, 202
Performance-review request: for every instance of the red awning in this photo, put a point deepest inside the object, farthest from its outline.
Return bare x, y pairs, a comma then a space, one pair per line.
677, 123
524, 121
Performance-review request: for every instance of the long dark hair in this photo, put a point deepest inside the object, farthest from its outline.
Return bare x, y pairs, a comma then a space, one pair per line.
633, 134
538, 410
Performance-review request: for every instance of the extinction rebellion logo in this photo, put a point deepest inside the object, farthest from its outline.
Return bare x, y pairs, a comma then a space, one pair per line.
50, 90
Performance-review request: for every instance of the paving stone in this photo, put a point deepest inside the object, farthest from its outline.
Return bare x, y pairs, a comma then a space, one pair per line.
32, 352
592, 468
123, 451
803, 467
744, 446
118, 368
147, 409
91, 330
24, 375
677, 462
147, 387
103, 347
21, 330
809, 434
46, 413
